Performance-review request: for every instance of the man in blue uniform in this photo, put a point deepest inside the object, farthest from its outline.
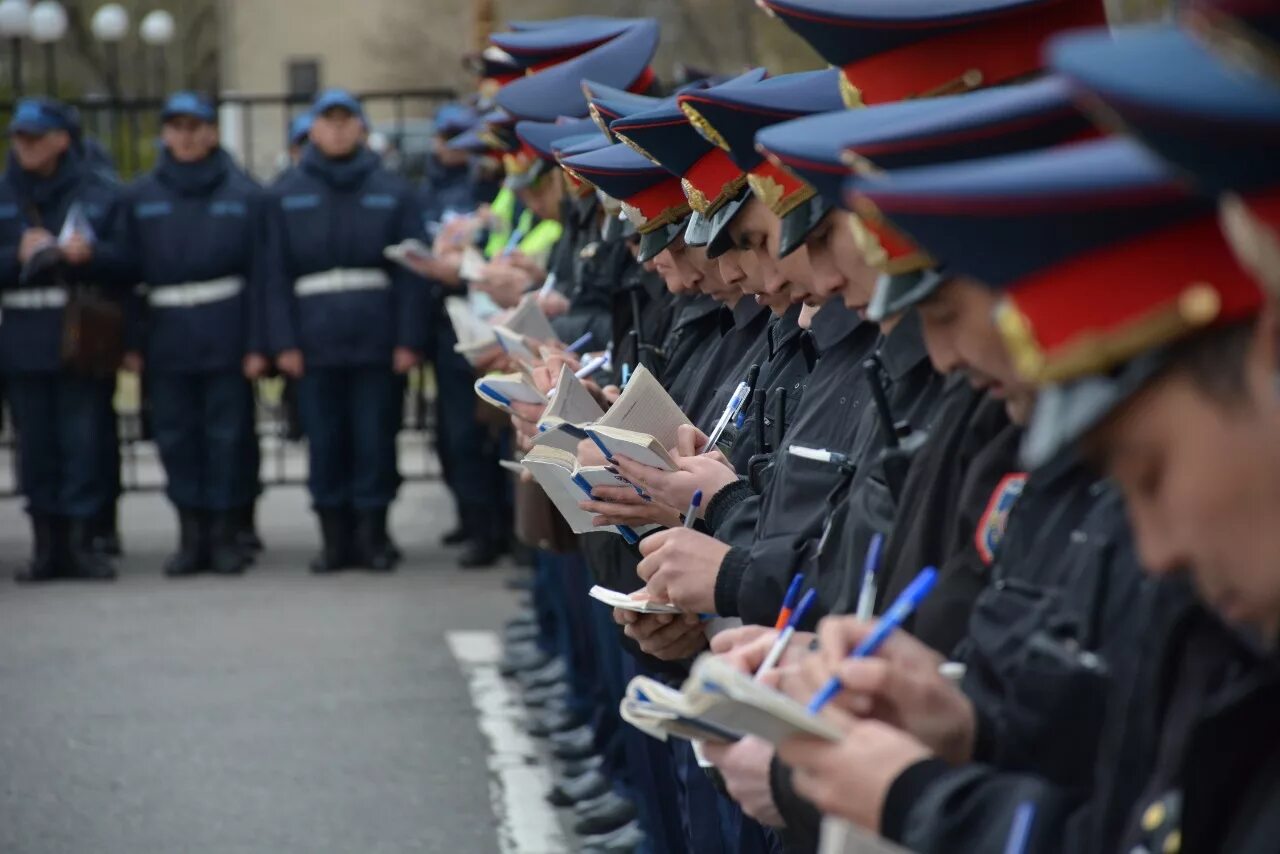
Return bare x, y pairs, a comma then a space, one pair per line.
195, 227
346, 324
61, 413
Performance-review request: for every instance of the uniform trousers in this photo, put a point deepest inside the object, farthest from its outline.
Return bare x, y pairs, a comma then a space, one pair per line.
65, 430
351, 415
203, 428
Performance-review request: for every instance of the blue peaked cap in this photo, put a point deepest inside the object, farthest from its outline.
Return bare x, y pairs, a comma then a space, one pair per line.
542, 136
40, 116
189, 104
339, 99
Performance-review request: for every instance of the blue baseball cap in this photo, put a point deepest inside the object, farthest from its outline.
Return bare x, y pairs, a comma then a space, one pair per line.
338, 99
189, 104
454, 118
40, 116
300, 128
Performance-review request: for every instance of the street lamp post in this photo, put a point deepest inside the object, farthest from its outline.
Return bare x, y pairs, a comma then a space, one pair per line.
109, 25
157, 29
48, 26
15, 24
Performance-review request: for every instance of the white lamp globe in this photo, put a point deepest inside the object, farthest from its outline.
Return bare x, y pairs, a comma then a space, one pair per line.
15, 19
109, 23
157, 28
48, 21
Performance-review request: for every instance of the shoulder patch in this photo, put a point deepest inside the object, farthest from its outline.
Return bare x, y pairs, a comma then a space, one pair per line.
300, 202
378, 201
150, 210
994, 519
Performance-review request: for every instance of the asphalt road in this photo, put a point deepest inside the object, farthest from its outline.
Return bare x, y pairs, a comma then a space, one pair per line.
278, 712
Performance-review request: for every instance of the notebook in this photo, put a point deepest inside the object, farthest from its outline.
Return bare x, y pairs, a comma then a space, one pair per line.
642, 424
718, 698
566, 484
526, 322
628, 602
473, 334
572, 407
503, 389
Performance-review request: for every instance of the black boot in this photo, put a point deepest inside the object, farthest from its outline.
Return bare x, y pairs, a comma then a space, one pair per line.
247, 528
226, 556
455, 536
44, 564
335, 533
83, 560
106, 530
373, 547
193, 552
485, 543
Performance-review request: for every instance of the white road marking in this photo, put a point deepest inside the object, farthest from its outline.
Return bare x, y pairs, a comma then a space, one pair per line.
527, 824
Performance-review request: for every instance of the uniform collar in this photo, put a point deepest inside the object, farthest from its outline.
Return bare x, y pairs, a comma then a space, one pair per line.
783, 330
833, 324
903, 348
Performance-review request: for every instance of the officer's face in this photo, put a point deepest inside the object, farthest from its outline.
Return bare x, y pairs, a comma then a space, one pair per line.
1201, 481
710, 282
337, 132
839, 266
188, 139
679, 275
749, 230
39, 153
960, 334
543, 197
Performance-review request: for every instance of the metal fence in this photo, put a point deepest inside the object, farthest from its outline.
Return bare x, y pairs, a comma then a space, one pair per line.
254, 127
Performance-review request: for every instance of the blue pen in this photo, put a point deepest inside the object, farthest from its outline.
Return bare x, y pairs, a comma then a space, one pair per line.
730, 412
780, 645
513, 241
691, 515
1020, 831
592, 366
789, 601
908, 600
498, 397
626, 374
867, 595
581, 342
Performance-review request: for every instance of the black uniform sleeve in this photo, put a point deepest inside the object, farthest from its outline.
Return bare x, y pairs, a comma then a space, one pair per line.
277, 286
724, 502
112, 261
411, 291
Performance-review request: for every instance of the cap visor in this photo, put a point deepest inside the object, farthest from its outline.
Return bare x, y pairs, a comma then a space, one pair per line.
797, 224
657, 240
718, 239
1065, 413
698, 232
895, 294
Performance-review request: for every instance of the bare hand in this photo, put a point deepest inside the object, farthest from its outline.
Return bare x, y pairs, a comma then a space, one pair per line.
290, 363
899, 685
745, 769
553, 303
851, 778
670, 637
33, 240
493, 359
748, 654
255, 366
403, 360
622, 505
676, 488
680, 566
589, 454
77, 250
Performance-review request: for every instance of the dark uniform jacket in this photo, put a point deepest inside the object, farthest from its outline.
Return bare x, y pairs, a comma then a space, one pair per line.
743, 343
328, 222
588, 270
643, 310
31, 333
790, 511
196, 227
695, 330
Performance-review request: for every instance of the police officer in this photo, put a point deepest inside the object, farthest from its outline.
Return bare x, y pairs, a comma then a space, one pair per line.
61, 413
195, 226
345, 323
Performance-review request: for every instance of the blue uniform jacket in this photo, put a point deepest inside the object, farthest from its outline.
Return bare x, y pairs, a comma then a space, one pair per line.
326, 215
31, 338
193, 223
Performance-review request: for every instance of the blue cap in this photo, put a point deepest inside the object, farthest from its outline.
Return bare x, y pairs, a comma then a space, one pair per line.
557, 91
300, 127
339, 99
454, 118
1215, 119
570, 146
650, 195
189, 104
469, 140
40, 116
543, 45
608, 103
542, 136
1001, 219
891, 50
730, 115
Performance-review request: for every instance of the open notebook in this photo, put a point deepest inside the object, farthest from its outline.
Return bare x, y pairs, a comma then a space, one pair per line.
525, 323
718, 699
627, 602
502, 389
473, 334
566, 483
572, 407
642, 424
